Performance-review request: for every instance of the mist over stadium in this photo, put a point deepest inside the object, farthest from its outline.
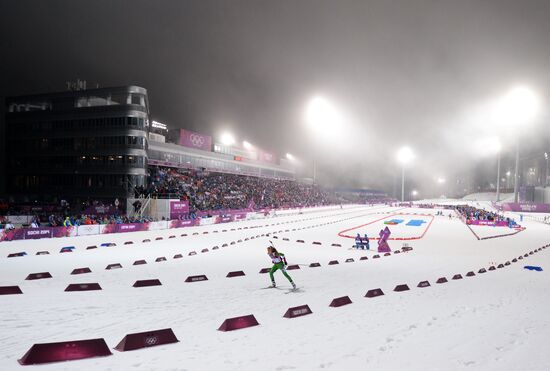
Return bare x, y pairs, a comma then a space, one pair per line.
244, 185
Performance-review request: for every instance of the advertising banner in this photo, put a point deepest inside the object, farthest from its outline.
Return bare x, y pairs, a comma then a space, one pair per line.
179, 209
225, 218
12, 235
265, 156
131, 227
182, 223
88, 230
500, 223
36, 233
63, 231
207, 221
195, 140
240, 216
156, 226
526, 207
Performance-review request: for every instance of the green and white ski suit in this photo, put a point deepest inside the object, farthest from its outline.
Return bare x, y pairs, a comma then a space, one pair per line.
279, 262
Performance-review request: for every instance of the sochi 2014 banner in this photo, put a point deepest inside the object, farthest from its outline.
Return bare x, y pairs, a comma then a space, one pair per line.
182, 223
499, 223
178, 209
131, 227
526, 207
37, 233
195, 140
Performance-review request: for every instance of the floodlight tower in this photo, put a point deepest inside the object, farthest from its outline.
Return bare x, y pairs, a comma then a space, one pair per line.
404, 156
546, 179
494, 145
324, 119
518, 107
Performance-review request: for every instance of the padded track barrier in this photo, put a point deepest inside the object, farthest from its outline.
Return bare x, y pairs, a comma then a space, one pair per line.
341, 301
235, 274
298, 311
65, 351
147, 339
237, 323
10, 290
83, 287
198, 278
402, 287
81, 270
147, 283
38, 276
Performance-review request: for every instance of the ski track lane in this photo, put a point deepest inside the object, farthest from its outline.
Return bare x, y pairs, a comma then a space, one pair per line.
492, 321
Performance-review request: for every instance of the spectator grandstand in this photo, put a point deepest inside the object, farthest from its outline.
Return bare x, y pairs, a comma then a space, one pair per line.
473, 213
207, 190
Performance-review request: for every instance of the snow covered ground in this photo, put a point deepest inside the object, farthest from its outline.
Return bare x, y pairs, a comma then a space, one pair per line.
489, 196
492, 321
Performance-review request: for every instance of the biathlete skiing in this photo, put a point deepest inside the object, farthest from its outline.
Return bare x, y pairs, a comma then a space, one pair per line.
279, 262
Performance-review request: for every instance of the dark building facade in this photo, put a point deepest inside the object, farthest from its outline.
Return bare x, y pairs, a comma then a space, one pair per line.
87, 144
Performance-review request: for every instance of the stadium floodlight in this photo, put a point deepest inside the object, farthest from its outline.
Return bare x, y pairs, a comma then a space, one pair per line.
227, 139
247, 145
518, 107
440, 180
404, 156
414, 193
326, 121
322, 116
492, 144
289, 157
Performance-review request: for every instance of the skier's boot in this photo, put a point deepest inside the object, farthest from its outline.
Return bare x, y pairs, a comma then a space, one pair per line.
293, 285
273, 284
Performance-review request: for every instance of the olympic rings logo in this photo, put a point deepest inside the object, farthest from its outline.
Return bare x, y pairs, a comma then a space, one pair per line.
197, 140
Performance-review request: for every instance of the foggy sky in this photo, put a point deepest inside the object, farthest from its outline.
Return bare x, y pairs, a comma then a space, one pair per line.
410, 72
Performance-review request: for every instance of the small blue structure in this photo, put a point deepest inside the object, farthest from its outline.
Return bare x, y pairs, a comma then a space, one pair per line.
416, 222
533, 268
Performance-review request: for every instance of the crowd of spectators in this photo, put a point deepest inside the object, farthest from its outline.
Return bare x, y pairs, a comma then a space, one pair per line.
63, 214
205, 191
214, 191
473, 213
68, 221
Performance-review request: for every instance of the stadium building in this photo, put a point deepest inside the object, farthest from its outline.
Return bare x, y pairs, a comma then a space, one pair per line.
99, 143
73, 144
